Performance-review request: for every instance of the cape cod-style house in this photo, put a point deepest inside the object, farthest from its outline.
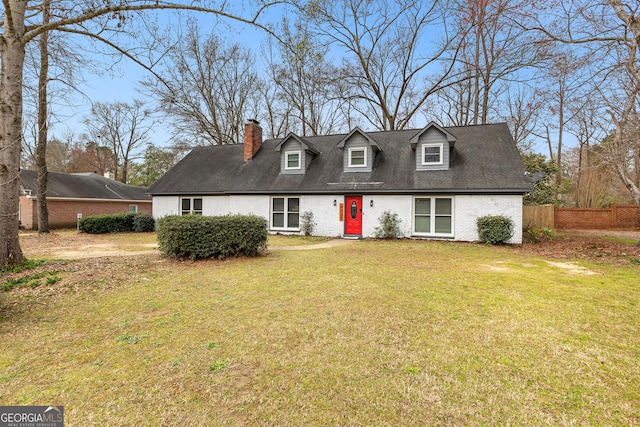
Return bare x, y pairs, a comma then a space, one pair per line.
438, 180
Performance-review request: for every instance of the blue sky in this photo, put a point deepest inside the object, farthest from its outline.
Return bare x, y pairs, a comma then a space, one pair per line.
121, 83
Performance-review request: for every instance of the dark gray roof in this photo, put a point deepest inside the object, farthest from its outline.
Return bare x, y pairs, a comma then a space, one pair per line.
484, 160
82, 186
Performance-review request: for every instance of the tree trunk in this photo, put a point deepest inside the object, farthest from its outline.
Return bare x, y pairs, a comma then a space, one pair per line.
41, 149
12, 53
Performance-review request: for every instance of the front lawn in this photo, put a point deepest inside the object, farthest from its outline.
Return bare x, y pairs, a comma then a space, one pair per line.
371, 333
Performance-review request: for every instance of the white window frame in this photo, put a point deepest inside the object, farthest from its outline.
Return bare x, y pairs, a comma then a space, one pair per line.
133, 208
424, 153
285, 213
191, 208
286, 160
364, 151
432, 217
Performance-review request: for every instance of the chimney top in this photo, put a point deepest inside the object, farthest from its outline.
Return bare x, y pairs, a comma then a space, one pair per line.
252, 139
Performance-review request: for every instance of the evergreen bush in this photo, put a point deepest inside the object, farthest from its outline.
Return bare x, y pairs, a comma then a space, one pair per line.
107, 223
143, 223
495, 230
202, 237
125, 222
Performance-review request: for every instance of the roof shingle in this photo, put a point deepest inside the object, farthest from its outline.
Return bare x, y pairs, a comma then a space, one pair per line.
82, 186
484, 160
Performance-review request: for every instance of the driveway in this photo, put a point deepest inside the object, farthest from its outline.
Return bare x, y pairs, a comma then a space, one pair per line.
71, 245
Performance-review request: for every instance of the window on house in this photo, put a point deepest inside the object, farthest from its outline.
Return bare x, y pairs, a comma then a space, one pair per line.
191, 206
357, 157
432, 154
292, 160
285, 213
133, 208
433, 216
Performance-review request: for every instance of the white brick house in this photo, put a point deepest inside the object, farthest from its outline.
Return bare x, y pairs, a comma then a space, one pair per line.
438, 180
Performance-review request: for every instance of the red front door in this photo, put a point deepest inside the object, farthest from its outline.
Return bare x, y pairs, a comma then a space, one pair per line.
353, 215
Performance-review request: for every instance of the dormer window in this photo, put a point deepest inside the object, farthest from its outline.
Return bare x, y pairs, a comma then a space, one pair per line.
357, 157
292, 160
296, 154
432, 154
359, 151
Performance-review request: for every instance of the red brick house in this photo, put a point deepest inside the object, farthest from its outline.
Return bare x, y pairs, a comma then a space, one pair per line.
70, 195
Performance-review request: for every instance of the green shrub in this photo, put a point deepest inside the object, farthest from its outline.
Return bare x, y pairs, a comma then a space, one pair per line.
143, 223
201, 237
495, 229
389, 226
125, 222
107, 223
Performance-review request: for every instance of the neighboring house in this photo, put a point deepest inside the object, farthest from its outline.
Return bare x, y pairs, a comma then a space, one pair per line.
438, 180
70, 195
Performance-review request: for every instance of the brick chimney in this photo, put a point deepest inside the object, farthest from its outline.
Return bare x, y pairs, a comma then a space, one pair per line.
252, 139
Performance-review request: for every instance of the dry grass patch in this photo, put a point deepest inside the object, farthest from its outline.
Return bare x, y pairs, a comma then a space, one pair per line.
276, 240
373, 333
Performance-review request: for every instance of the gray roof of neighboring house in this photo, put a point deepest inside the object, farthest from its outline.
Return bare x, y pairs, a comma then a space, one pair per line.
82, 186
485, 160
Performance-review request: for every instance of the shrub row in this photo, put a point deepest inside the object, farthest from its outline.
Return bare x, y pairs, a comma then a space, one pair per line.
201, 237
117, 223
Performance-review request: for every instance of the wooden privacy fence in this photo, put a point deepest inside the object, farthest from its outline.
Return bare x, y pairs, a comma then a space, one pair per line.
538, 217
548, 216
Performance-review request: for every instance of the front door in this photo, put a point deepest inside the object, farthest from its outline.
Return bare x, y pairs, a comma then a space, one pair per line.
353, 215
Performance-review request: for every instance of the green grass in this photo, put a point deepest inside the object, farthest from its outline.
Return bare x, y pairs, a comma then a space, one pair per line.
32, 280
371, 333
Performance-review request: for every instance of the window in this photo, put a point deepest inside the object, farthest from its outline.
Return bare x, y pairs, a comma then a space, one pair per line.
285, 213
133, 208
432, 154
433, 216
191, 206
292, 160
357, 157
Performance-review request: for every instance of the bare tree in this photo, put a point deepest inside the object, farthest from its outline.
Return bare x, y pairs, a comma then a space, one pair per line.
565, 96
492, 51
586, 127
122, 127
53, 66
306, 83
21, 25
388, 70
43, 130
207, 88
523, 109
609, 32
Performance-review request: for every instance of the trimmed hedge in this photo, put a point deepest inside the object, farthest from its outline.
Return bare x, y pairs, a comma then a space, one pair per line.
143, 223
125, 222
495, 229
202, 237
